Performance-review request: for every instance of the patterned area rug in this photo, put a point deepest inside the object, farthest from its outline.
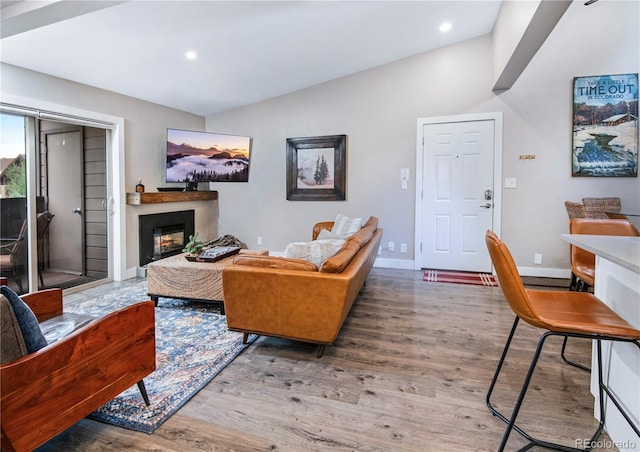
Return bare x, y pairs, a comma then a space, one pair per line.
447, 276
192, 346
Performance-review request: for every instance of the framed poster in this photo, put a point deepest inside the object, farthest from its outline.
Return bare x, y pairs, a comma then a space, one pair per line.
316, 168
605, 126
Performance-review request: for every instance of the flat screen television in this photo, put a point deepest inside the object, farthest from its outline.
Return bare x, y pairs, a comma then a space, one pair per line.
207, 157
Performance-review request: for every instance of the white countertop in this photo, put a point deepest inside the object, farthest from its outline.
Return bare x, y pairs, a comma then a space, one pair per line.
624, 251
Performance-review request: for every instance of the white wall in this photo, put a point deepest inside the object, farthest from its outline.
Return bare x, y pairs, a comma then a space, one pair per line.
144, 141
378, 108
538, 116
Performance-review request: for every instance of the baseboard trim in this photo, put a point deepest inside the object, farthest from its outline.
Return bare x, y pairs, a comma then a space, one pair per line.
129, 273
545, 272
541, 272
398, 264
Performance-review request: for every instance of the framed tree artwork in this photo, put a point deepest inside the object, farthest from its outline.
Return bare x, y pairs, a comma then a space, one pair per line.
316, 168
605, 126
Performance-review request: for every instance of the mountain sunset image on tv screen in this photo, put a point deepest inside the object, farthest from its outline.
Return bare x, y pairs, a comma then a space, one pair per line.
207, 157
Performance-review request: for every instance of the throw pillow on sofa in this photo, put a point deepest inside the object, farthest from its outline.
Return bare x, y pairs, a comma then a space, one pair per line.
316, 251
12, 344
26, 321
344, 226
327, 234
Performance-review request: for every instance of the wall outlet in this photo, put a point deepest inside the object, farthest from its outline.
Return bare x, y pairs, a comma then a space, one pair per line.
403, 247
259, 240
391, 246
537, 259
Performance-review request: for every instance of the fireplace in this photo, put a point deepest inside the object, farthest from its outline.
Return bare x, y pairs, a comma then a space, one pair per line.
164, 234
168, 240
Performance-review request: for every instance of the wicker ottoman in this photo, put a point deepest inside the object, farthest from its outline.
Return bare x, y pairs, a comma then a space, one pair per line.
176, 277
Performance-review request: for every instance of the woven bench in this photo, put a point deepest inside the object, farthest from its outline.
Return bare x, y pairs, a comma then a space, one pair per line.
176, 277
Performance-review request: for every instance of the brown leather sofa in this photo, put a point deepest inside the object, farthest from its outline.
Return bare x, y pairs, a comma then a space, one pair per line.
291, 298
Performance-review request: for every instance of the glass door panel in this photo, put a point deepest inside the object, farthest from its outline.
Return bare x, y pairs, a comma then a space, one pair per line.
53, 203
64, 194
14, 233
73, 166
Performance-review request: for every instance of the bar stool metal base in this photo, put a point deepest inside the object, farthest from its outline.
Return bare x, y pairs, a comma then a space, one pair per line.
602, 390
568, 361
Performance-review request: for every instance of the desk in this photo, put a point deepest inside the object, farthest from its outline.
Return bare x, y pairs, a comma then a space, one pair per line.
617, 284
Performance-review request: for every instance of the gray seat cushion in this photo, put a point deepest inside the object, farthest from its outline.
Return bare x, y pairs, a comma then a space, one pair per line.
61, 326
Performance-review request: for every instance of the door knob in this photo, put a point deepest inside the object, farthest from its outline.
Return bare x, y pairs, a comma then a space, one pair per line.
77, 210
487, 205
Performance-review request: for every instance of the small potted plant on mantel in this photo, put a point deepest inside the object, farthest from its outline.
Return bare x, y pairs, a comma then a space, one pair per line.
193, 248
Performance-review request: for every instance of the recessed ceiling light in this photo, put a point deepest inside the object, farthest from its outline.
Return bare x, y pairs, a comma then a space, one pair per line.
445, 26
191, 55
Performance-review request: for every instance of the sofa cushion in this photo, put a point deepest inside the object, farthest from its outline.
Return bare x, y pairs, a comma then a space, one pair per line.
327, 234
316, 251
33, 338
338, 262
362, 237
12, 344
372, 222
282, 263
344, 226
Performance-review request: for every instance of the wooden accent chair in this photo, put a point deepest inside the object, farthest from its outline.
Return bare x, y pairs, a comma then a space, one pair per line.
556, 313
45, 392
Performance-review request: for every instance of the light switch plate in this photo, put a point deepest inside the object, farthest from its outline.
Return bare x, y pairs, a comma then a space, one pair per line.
509, 182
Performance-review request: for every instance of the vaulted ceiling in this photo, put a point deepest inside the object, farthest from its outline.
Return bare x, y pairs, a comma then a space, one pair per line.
246, 51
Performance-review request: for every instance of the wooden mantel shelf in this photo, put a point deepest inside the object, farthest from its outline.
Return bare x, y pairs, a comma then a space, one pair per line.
138, 199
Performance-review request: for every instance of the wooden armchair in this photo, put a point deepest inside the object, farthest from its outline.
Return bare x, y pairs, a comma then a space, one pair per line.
45, 392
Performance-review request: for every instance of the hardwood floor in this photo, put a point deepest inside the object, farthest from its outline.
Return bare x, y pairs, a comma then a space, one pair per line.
409, 372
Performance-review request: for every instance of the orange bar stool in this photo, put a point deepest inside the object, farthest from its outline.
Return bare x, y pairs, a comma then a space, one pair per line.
583, 263
556, 313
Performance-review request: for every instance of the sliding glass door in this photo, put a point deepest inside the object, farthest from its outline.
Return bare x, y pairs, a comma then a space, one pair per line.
14, 255
60, 194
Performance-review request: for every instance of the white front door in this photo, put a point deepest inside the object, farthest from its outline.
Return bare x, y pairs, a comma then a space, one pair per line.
458, 194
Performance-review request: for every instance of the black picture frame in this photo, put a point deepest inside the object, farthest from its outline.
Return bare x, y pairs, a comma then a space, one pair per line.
316, 168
